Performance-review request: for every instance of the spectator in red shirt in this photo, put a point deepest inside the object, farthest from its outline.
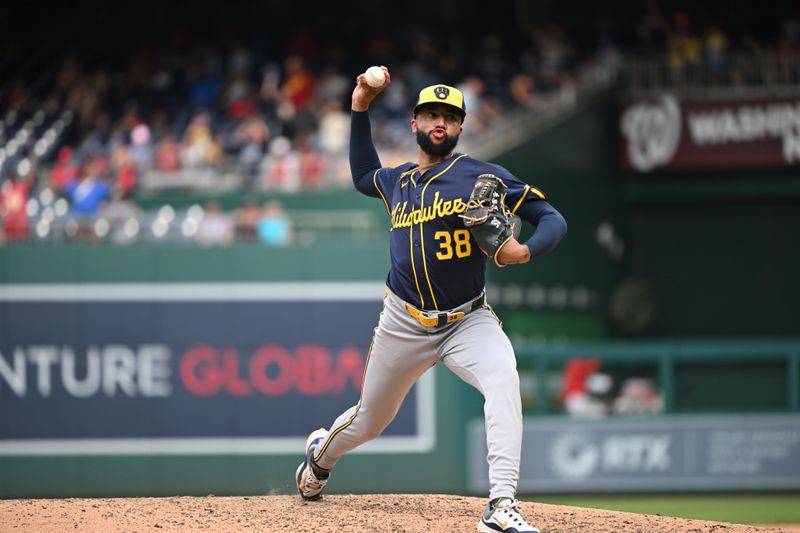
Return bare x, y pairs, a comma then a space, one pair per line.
13, 207
298, 84
168, 155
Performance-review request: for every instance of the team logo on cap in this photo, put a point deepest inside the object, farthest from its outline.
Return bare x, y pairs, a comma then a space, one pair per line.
441, 92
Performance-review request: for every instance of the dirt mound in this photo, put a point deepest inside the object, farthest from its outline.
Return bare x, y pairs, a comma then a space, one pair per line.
334, 513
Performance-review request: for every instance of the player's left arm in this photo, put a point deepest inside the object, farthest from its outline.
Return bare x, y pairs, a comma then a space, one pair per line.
531, 205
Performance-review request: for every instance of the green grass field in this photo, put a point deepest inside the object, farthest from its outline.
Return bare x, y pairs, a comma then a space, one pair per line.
761, 508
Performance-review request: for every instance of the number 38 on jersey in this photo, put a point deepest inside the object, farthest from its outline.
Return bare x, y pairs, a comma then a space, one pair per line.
456, 244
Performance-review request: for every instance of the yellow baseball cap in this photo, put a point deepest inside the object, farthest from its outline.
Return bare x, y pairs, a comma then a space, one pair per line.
442, 94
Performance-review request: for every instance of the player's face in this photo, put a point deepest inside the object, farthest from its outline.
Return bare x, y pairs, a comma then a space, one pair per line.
437, 129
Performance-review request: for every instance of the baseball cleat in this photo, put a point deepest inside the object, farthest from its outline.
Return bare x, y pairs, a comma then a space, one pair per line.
311, 483
504, 516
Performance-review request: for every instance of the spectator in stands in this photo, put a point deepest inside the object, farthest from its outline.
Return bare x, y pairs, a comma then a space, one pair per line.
205, 83
87, 195
334, 130
274, 227
270, 90
99, 137
334, 127
13, 205
123, 128
141, 151
216, 226
86, 198
199, 149
249, 139
716, 48
238, 98
638, 396
297, 92
168, 155
298, 83
280, 167
124, 170
524, 91
684, 48
245, 219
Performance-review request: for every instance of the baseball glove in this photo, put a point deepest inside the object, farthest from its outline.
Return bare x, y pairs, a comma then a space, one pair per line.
488, 218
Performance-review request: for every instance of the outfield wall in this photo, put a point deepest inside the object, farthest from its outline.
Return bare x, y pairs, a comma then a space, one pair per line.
112, 385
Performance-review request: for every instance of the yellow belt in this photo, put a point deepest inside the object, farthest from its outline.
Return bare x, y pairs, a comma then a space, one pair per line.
431, 319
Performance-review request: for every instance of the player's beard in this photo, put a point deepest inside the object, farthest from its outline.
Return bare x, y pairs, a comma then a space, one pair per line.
436, 150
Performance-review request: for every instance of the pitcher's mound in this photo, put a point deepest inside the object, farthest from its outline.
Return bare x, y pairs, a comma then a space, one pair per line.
334, 513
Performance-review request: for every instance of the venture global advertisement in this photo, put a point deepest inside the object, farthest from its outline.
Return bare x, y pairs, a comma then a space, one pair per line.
179, 369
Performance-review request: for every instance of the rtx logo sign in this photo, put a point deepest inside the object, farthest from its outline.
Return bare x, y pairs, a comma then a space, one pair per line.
579, 456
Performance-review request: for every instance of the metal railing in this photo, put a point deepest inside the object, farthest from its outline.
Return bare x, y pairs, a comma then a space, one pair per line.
667, 361
739, 74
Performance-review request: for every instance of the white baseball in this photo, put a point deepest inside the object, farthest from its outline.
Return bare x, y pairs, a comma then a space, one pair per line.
375, 76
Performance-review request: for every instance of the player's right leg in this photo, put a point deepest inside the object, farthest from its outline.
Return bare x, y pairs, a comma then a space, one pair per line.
397, 358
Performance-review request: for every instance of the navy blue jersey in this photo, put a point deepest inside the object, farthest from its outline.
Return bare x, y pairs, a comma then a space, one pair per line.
435, 262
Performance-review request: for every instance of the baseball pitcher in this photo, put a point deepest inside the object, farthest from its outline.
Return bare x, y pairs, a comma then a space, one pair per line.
449, 214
